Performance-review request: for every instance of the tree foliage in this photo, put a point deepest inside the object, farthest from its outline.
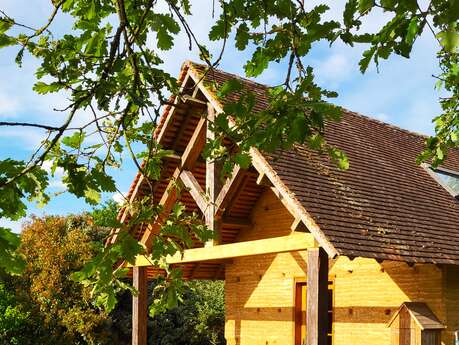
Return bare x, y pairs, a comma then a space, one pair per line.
15, 323
198, 320
107, 70
53, 248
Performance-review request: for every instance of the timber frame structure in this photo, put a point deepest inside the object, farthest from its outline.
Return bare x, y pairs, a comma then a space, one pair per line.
229, 207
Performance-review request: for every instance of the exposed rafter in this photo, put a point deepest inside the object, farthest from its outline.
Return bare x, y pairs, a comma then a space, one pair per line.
228, 190
188, 159
190, 182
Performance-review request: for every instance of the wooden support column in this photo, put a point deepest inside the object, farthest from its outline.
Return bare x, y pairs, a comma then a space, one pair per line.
213, 184
139, 306
317, 296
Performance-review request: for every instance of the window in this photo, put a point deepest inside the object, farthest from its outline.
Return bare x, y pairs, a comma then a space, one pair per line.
450, 180
447, 178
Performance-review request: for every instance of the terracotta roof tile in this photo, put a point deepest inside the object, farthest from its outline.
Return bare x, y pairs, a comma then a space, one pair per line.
385, 205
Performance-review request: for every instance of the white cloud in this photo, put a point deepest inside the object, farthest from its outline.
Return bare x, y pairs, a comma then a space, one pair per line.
14, 225
334, 69
8, 106
21, 137
382, 117
55, 181
119, 198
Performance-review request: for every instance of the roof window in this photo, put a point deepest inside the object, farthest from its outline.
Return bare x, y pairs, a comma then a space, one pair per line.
448, 179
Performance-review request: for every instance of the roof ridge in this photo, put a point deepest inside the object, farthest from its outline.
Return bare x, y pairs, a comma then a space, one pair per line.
236, 76
367, 117
390, 125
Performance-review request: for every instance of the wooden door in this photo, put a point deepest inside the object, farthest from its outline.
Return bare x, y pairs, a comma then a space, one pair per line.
300, 313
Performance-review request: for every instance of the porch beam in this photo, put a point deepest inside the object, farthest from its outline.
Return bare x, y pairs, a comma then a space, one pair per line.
190, 182
228, 190
213, 184
317, 296
294, 242
139, 306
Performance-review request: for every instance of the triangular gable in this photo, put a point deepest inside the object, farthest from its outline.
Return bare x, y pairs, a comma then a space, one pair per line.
230, 187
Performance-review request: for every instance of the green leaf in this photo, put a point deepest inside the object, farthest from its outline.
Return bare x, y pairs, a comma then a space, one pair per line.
6, 40
412, 30
5, 25
449, 39
243, 160
365, 6
229, 86
92, 196
365, 61
91, 13
10, 261
75, 140
349, 11
339, 157
242, 36
257, 64
43, 88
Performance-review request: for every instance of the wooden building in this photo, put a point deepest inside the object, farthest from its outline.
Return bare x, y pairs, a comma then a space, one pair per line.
311, 254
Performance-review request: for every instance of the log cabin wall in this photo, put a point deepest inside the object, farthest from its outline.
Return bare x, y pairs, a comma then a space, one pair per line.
368, 293
259, 290
451, 296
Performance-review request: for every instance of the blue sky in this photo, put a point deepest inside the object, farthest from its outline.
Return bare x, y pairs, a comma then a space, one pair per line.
402, 93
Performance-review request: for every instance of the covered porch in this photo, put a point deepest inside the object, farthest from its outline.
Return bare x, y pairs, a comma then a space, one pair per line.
310, 320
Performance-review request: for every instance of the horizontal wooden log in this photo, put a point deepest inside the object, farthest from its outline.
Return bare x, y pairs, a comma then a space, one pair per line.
294, 242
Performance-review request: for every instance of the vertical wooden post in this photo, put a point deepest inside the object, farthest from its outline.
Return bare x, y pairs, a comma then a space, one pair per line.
317, 297
213, 183
139, 306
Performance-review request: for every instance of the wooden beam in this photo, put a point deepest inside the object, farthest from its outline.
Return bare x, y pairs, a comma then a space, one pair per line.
170, 115
172, 157
195, 145
192, 99
189, 181
213, 184
263, 180
139, 306
188, 159
317, 297
228, 190
294, 242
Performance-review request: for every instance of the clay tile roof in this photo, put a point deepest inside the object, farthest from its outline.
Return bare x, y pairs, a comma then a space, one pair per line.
421, 314
384, 206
